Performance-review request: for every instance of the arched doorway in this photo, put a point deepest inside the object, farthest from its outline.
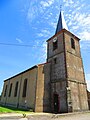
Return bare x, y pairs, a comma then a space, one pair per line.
56, 103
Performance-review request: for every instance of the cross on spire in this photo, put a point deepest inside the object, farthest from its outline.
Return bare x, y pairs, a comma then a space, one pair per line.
60, 7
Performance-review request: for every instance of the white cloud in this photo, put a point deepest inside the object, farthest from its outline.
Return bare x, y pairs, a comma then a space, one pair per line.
87, 76
32, 13
47, 3
68, 2
88, 81
88, 84
74, 27
85, 45
19, 40
53, 24
83, 19
44, 4
43, 54
44, 33
37, 9
85, 35
40, 34
78, 21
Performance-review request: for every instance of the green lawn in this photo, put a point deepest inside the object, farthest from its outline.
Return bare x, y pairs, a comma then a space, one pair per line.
12, 110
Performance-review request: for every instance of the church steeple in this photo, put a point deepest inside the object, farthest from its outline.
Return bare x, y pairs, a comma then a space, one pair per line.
61, 23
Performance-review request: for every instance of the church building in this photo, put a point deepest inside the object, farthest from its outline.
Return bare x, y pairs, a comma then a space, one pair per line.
58, 85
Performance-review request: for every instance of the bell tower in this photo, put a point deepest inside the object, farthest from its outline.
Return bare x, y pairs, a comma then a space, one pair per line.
67, 79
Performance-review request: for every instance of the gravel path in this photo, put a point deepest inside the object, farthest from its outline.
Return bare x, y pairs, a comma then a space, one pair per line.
84, 116
77, 116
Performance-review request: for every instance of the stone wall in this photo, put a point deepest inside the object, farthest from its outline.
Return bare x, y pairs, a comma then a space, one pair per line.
58, 73
75, 75
42, 103
59, 88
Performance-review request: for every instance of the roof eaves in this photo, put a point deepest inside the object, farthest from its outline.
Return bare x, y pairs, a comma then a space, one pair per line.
21, 73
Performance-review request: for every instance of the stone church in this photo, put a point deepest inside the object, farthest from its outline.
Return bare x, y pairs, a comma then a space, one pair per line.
55, 86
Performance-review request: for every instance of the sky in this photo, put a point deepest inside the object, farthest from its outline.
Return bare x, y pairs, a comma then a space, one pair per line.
25, 25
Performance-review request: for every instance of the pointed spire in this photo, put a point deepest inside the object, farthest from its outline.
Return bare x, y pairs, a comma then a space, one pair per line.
61, 22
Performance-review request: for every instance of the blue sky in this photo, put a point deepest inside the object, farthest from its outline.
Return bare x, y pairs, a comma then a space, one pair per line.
29, 23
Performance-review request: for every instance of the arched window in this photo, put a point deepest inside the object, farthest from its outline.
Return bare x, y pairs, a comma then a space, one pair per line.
10, 90
16, 89
72, 43
24, 88
55, 43
5, 91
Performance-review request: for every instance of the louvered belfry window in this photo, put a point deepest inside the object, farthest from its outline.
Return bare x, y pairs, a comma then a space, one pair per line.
72, 43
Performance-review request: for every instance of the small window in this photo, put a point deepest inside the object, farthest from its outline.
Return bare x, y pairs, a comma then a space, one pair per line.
24, 88
5, 91
55, 60
72, 43
10, 89
16, 89
55, 45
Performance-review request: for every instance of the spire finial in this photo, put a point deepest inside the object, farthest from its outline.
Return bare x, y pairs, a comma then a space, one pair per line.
60, 7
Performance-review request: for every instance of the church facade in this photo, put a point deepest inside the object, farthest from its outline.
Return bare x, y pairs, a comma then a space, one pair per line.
55, 86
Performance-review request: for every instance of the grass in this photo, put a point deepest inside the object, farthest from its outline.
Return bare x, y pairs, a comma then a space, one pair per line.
12, 110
